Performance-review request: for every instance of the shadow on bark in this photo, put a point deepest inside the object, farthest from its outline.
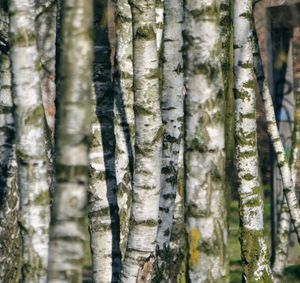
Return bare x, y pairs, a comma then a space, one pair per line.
105, 113
10, 238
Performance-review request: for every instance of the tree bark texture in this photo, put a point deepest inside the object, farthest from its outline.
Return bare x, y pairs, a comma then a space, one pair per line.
138, 263
171, 265
30, 141
284, 227
103, 205
255, 256
178, 241
276, 142
72, 143
204, 144
124, 116
283, 164
159, 11
282, 243
10, 240
46, 11
172, 116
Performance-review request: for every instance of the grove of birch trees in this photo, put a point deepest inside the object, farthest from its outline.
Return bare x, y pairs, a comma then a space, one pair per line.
128, 127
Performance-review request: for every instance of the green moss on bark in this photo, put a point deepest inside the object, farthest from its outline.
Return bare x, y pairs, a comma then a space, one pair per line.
251, 251
145, 32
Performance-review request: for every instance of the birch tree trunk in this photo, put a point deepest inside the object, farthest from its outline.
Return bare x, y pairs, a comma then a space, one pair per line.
72, 144
10, 241
281, 252
172, 116
284, 221
46, 30
204, 144
255, 256
281, 249
159, 12
173, 262
103, 205
283, 164
30, 141
124, 116
276, 142
178, 241
138, 263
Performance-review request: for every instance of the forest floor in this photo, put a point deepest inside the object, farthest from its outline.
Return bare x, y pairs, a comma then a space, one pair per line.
291, 273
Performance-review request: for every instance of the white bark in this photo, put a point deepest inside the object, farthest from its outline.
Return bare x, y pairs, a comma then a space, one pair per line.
204, 141
124, 116
46, 11
148, 137
159, 11
255, 259
281, 159
284, 226
172, 260
103, 206
72, 144
281, 251
178, 243
30, 141
10, 241
172, 116
283, 164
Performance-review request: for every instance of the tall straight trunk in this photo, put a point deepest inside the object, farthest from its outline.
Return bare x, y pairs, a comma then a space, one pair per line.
204, 144
10, 241
45, 24
46, 11
172, 117
173, 263
124, 116
255, 256
72, 143
138, 261
30, 140
103, 206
